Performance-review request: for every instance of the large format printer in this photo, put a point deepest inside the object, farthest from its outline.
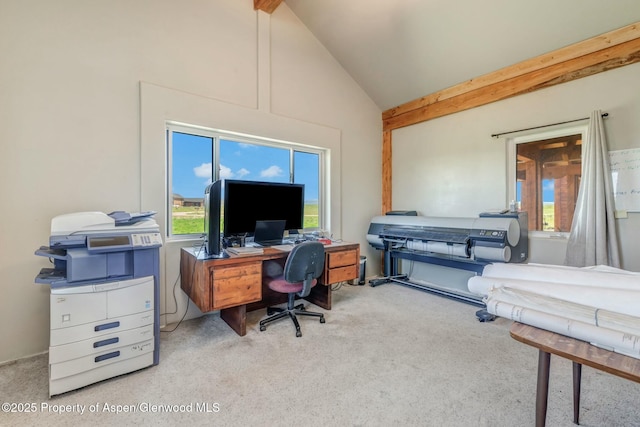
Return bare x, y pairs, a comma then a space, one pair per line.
104, 302
455, 248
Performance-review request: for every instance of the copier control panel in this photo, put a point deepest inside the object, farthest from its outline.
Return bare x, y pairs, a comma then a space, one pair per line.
101, 243
492, 234
146, 239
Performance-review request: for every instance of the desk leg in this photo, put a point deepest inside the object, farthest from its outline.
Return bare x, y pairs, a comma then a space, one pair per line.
577, 375
320, 295
236, 317
542, 393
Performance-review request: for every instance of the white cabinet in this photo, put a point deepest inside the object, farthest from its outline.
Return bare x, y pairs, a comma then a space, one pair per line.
100, 331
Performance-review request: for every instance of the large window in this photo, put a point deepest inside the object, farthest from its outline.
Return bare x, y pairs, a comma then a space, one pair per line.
545, 173
196, 157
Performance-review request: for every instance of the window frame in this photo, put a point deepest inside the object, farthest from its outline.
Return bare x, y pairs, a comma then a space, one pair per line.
217, 135
513, 141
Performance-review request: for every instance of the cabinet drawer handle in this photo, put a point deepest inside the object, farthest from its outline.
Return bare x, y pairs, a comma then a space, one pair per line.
105, 342
106, 326
107, 356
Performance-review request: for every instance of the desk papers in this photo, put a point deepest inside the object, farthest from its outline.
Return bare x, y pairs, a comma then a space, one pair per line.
245, 250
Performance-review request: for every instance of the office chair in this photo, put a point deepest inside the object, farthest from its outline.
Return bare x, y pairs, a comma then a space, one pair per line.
301, 270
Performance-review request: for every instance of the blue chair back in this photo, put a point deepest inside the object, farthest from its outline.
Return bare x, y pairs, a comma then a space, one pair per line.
304, 264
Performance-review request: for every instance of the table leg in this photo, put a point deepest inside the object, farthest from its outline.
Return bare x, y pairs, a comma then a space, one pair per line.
236, 317
320, 295
542, 392
577, 375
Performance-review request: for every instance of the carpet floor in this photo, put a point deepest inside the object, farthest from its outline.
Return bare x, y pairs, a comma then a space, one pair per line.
386, 356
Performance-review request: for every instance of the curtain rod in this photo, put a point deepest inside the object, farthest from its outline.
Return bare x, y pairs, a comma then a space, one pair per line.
495, 135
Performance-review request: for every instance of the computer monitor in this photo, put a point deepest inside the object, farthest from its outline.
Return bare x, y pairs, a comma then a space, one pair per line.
212, 212
246, 202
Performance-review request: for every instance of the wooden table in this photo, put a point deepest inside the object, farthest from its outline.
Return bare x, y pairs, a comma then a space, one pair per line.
580, 353
234, 285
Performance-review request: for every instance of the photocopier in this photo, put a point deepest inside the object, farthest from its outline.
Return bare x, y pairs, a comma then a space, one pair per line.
104, 302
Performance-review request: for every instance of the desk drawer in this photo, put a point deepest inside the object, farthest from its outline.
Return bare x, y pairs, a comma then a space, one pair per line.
341, 266
341, 274
236, 285
342, 259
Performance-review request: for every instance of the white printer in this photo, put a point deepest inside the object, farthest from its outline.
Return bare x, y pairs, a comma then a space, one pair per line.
104, 296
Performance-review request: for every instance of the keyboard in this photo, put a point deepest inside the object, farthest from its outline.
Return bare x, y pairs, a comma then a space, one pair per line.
283, 248
268, 243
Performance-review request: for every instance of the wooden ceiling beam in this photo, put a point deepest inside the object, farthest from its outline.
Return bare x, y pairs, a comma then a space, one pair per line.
605, 52
268, 6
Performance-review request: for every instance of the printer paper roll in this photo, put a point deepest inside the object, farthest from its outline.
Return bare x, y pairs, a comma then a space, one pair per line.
444, 248
620, 342
571, 310
604, 276
440, 248
492, 254
606, 298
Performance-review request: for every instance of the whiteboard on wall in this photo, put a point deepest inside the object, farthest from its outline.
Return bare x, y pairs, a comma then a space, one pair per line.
625, 174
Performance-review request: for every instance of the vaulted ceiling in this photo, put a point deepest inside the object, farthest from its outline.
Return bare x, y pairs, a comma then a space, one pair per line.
401, 50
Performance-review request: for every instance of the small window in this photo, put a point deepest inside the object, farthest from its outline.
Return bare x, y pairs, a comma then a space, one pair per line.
545, 177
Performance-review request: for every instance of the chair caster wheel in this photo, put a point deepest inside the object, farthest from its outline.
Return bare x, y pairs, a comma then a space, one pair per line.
298, 334
263, 328
322, 320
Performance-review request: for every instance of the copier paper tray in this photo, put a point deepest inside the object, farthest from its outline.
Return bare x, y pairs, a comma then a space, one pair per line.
58, 279
52, 253
51, 276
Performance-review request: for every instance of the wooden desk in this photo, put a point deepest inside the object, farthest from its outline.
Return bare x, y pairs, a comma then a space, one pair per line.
234, 285
580, 353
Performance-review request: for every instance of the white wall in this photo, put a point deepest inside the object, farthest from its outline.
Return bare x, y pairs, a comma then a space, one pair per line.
80, 130
451, 166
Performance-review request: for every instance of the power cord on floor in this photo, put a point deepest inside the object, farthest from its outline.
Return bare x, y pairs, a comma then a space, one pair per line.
336, 286
175, 298
339, 285
197, 253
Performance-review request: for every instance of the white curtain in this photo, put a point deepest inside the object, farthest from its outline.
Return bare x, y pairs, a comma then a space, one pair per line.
593, 239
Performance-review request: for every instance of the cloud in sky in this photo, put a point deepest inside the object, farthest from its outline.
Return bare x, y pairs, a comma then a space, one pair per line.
225, 172
203, 171
271, 172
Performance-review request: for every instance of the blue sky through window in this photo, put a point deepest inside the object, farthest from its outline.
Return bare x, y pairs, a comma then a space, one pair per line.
191, 165
547, 190
253, 162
